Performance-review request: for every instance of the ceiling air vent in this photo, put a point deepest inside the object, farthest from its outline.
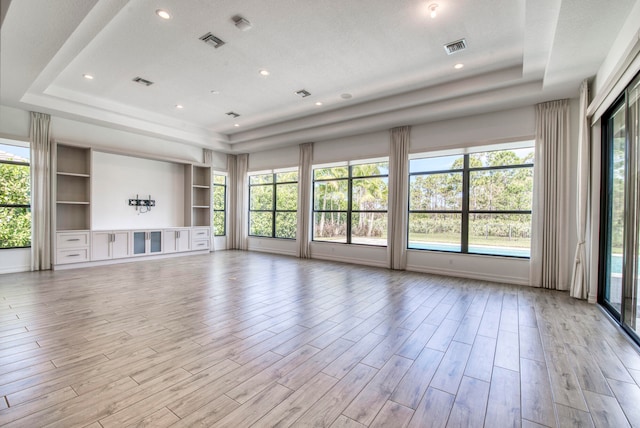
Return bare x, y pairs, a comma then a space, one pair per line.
232, 114
456, 46
212, 40
303, 93
142, 81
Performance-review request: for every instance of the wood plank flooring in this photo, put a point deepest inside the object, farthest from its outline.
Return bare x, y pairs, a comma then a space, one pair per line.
239, 339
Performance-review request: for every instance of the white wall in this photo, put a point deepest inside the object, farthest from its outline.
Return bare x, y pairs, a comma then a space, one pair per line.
273, 159
15, 260
116, 179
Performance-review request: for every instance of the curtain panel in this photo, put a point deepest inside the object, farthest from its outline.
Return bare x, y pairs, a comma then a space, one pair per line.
549, 231
304, 200
398, 197
580, 277
40, 191
241, 216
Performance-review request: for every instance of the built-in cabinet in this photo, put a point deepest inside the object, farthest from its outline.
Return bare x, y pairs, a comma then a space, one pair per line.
110, 244
177, 240
76, 242
147, 242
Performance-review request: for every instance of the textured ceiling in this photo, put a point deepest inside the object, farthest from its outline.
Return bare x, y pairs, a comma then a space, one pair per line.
387, 54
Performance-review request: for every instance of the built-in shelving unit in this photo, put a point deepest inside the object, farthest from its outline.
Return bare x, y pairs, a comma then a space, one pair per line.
75, 243
201, 196
73, 187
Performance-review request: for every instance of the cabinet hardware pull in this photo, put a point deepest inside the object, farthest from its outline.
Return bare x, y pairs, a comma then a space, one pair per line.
73, 255
74, 239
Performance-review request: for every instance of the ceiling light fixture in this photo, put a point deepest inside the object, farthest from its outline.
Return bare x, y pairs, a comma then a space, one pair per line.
215, 92
163, 14
241, 23
319, 103
433, 10
179, 106
458, 66
88, 76
346, 96
264, 72
236, 125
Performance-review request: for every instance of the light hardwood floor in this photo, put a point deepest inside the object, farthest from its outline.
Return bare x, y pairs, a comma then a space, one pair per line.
237, 339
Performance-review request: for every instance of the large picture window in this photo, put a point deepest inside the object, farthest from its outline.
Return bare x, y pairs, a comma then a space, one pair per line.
350, 203
15, 197
472, 203
219, 205
273, 204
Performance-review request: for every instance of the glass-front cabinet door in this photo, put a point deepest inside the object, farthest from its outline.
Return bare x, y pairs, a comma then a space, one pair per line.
619, 263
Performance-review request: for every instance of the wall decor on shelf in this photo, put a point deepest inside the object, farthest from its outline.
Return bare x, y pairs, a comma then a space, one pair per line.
144, 204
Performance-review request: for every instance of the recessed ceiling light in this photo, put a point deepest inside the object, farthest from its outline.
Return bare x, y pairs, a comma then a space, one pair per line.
264, 72
346, 96
241, 23
88, 76
458, 66
215, 92
179, 106
236, 125
319, 103
433, 10
163, 14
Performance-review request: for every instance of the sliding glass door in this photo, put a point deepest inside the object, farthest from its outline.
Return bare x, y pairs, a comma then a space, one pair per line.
620, 278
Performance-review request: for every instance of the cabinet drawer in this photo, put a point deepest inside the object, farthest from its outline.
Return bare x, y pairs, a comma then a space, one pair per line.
72, 240
197, 245
72, 256
200, 233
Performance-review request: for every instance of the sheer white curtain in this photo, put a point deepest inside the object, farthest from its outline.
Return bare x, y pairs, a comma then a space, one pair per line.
304, 200
398, 197
40, 191
579, 279
549, 234
232, 205
240, 217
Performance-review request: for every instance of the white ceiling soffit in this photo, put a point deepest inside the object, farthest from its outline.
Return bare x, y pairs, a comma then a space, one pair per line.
387, 54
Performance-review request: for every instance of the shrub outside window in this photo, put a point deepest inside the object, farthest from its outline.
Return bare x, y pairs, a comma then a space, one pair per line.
15, 197
350, 203
273, 204
476, 203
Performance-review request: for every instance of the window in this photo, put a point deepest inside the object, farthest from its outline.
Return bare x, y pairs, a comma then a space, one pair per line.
219, 205
15, 197
350, 203
473, 203
273, 204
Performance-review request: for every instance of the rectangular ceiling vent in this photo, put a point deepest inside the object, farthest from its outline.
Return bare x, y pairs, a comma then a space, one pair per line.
456, 46
212, 40
232, 114
303, 93
142, 81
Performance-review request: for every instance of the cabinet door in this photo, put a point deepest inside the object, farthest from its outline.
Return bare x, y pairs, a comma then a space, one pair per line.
120, 245
171, 241
155, 241
183, 240
139, 242
100, 245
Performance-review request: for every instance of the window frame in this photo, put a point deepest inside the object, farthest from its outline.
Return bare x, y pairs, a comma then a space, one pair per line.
224, 211
465, 212
349, 211
17, 206
273, 210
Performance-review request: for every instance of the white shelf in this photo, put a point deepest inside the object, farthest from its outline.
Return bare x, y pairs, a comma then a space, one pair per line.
73, 174
73, 202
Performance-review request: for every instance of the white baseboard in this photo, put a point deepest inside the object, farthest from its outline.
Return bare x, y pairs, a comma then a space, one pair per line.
126, 260
274, 251
15, 269
353, 260
470, 275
